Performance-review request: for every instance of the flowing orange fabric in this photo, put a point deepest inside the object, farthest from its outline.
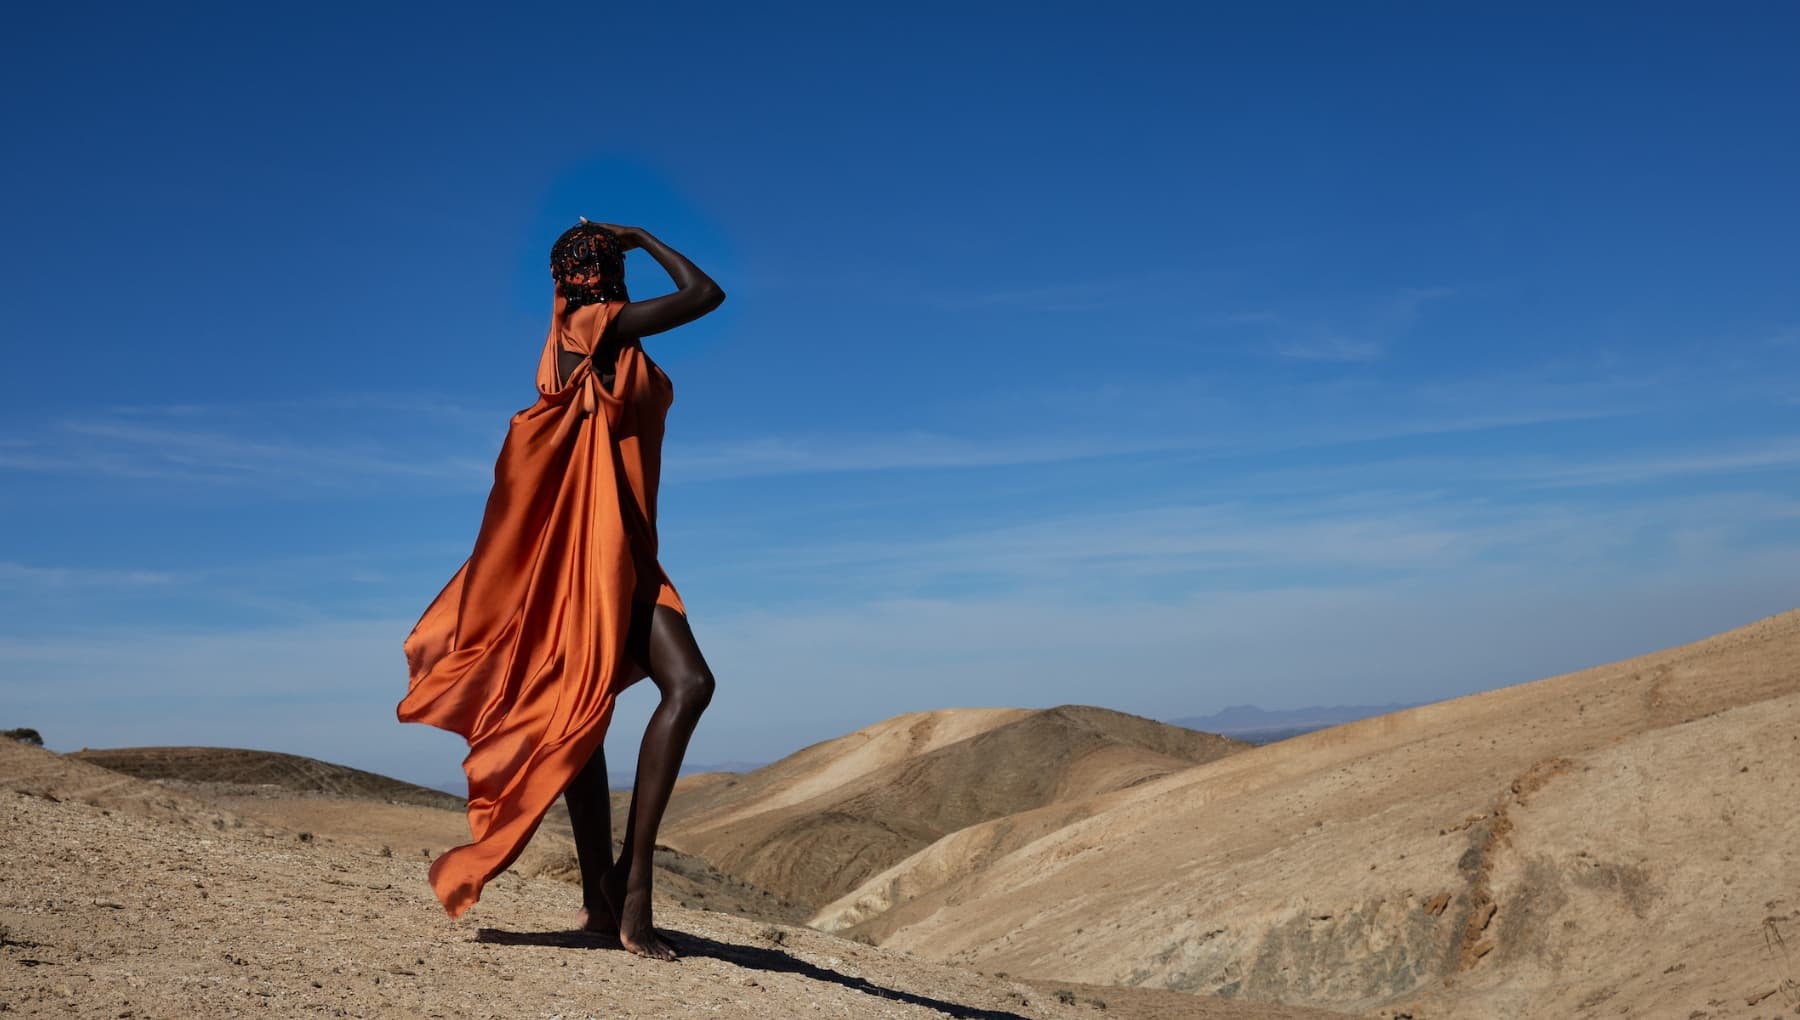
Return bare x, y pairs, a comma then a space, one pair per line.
523, 651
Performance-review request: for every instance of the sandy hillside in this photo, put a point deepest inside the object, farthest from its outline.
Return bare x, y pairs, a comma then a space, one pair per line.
815, 825
1621, 841
339, 804
123, 898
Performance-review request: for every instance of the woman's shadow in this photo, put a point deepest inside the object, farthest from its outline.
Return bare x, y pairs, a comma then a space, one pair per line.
748, 957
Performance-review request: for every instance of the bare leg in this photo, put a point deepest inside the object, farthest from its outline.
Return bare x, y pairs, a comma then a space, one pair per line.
590, 813
680, 673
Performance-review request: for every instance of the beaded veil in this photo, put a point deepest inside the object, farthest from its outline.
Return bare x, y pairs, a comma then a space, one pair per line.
592, 253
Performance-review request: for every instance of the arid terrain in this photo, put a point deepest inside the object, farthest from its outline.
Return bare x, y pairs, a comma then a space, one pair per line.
1615, 842
127, 897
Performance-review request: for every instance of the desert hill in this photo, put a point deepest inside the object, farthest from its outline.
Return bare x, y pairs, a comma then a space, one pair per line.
818, 823
128, 898
242, 772
1617, 841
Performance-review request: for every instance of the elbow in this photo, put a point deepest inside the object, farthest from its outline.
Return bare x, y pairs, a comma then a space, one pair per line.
711, 296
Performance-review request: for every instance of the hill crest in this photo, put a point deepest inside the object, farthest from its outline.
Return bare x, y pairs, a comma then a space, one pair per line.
816, 824
247, 772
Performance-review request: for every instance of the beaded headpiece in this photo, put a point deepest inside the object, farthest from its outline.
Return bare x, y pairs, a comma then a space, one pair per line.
590, 250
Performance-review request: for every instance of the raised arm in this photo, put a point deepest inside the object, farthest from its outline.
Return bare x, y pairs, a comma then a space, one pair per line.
695, 292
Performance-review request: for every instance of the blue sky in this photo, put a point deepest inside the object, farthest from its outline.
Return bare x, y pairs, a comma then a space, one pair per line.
1132, 354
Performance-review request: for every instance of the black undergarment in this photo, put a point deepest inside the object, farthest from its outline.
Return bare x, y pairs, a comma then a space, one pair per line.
604, 359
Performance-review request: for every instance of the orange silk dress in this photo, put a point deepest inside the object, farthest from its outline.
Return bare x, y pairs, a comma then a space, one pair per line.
523, 652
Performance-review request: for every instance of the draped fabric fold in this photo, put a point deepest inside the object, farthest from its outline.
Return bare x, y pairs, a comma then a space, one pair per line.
523, 651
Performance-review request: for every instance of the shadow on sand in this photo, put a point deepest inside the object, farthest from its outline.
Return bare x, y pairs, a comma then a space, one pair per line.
748, 957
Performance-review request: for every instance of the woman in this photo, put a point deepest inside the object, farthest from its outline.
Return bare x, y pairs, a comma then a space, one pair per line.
562, 604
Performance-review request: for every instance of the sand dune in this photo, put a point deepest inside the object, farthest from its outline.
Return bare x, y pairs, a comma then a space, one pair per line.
125, 898
1619, 841
818, 823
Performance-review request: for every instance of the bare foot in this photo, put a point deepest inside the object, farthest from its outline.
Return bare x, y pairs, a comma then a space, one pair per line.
636, 932
600, 921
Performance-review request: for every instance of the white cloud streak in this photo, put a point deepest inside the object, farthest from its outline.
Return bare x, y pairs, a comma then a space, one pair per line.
222, 446
1375, 329
1330, 347
771, 456
1775, 453
26, 576
1368, 538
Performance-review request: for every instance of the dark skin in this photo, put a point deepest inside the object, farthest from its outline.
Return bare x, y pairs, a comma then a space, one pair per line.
617, 894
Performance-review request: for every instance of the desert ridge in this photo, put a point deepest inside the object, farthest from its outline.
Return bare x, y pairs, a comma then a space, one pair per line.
1617, 841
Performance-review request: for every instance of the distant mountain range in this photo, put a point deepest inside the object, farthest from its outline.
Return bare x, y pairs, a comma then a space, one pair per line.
1265, 726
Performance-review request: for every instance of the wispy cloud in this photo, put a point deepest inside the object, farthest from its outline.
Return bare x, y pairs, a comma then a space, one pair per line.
892, 452
1252, 318
1106, 550
1366, 537
29, 576
248, 587
1069, 294
1064, 298
315, 446
437, 406
221, 457
1330, 347
1776, 453
1185, 416
1376, 431
1358, 334
1406, 305
319, 657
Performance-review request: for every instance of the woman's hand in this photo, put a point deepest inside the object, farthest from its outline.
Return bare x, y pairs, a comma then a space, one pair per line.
629, 237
